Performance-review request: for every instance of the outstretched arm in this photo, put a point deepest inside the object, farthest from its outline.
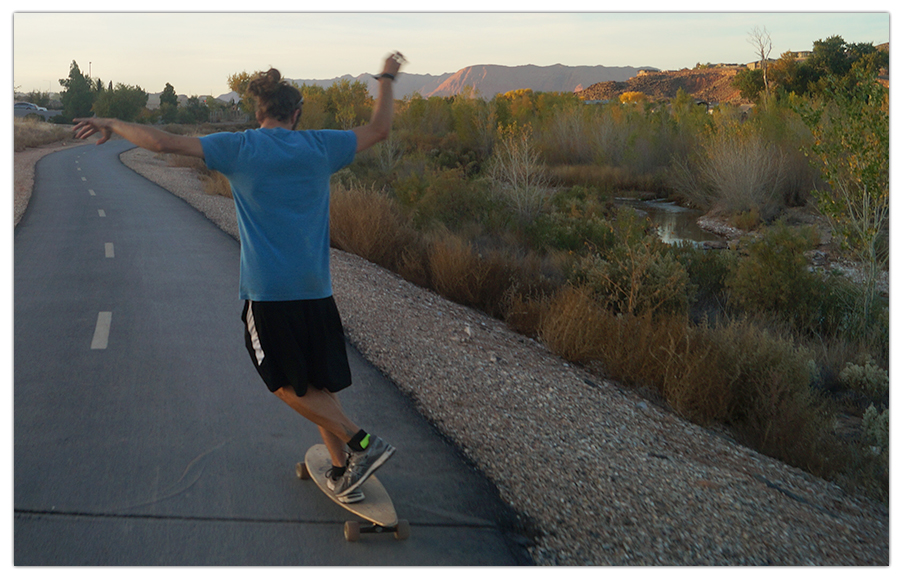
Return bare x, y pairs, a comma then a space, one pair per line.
146, 137
379, 127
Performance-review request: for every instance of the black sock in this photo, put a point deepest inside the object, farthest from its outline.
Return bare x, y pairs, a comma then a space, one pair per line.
337, 472
356, 442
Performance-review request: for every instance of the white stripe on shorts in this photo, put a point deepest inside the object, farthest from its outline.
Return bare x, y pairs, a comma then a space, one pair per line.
254, 337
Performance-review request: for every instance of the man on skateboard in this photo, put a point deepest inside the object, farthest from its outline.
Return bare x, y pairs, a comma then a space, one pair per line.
280, 182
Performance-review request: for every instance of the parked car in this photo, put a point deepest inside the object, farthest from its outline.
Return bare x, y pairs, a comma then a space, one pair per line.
26, 105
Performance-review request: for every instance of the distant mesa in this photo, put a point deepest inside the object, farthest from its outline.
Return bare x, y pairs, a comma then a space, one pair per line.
595, 83
487, 80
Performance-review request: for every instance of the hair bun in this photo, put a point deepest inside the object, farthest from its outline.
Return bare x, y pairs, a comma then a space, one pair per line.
265, 83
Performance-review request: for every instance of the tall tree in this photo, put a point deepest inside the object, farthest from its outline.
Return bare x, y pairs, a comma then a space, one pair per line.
168, 96
168, 104
124, 102
78, 95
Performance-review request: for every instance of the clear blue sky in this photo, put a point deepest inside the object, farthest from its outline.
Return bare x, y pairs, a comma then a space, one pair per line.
196, 52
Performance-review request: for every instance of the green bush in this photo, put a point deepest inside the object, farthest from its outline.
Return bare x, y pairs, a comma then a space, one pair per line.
443, 197
876, 427
774, 276
708, 270
638, 274
866, 378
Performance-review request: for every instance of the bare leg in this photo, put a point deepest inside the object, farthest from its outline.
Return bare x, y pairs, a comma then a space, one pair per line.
335, 448
323, 408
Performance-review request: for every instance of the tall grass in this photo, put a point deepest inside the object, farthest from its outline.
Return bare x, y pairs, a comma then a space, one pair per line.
33, 134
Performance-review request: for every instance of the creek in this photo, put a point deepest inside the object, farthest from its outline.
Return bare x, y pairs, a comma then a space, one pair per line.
674, 224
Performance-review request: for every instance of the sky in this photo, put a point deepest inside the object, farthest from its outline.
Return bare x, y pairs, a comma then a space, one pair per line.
196, 51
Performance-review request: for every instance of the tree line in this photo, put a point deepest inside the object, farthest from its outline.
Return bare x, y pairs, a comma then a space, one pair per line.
83, 96
830, 59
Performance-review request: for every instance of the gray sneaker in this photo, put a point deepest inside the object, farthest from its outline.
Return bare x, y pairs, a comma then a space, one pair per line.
349, 498
363, 464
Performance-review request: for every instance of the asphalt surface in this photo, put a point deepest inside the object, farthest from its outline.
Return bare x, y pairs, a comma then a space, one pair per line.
142, 434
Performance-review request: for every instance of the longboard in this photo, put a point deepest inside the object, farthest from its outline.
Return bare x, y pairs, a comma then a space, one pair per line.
376, 509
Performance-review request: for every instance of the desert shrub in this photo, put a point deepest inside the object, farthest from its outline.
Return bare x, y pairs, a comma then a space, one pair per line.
866, 378
707, 271
572, 324
684, 180
638, 274
516, 173
571, 233
462, 274
443, 196
876, 428
774, 277
737, 374
746, 172
747, 220
523, 312
772, 406
371, 225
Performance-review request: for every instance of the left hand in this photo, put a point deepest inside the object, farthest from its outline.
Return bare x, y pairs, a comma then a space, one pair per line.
393, 62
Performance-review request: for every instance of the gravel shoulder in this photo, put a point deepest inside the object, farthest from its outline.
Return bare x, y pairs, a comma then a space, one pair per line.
603, 476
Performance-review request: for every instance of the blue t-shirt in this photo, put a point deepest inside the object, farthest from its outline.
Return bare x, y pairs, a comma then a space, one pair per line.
280, 183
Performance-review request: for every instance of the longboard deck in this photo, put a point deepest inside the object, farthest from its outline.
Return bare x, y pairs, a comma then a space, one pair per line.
377, 506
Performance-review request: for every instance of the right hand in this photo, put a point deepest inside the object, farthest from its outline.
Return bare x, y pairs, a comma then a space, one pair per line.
88, 126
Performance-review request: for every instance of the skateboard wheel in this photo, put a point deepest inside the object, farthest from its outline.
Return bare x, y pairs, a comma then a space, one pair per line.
303, 471
351, 531
402, 532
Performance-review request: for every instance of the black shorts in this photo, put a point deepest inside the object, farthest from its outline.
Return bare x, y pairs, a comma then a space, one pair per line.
297, 343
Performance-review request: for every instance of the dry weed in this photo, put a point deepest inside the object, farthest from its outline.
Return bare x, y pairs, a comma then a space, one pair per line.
369, 224
33, 134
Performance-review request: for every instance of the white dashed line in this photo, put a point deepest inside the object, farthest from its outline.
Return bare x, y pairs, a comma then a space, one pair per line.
110, 251
101, 332
101, 212
83, 179
91, 191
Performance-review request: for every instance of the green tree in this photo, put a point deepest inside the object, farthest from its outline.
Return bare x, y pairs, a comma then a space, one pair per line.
41, 98
168, 96
240, 83
168, 104
125, 102
195, 111
314, 112
349, 103
851, 134
750, 82
77, 96
832, 61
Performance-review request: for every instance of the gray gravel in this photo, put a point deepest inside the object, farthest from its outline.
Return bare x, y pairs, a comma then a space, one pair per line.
606, 477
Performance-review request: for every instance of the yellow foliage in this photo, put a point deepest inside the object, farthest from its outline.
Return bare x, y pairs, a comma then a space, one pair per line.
632, 97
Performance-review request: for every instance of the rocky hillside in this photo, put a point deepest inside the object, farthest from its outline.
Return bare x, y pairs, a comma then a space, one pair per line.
713, 85
489, 80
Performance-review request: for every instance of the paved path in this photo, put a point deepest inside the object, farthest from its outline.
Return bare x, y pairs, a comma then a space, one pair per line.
143, 436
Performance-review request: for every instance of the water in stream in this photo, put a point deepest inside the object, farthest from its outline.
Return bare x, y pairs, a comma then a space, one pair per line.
673, 223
